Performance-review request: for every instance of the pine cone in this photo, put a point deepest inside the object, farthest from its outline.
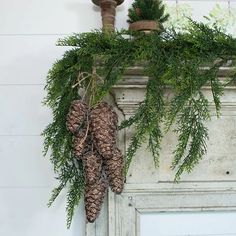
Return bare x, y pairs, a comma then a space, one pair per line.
94, 195
77, 116
114, 171
103, 127
92, 163
81, 142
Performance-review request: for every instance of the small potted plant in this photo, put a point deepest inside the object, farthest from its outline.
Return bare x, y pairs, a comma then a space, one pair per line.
147, 15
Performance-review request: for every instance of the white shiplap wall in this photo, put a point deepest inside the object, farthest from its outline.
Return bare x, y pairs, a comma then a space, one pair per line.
28, 32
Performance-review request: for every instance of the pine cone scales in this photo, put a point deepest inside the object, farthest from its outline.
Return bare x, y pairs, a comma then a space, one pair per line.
94, 195
92, 167
114, 171
77, 116
80, 142
103, 124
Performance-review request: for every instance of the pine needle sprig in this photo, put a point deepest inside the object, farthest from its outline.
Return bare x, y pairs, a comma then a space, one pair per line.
154, 144
55, 193
138, 137
147, 122
133, 119
75, 193
193, 135
217, 91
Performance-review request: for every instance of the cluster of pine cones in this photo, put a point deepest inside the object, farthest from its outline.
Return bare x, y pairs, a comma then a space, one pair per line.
95, 135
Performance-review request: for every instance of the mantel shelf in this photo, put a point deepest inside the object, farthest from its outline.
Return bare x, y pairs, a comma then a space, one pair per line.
130, 90
136, 76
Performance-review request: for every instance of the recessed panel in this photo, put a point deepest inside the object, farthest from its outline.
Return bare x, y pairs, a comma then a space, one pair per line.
188, 224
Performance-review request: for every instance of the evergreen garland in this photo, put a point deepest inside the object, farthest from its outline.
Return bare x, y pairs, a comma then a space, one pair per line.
147, 10
174, 60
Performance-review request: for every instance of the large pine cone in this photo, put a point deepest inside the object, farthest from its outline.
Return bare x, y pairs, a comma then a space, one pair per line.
81, 142
114, 168
103, 126
77, 116
94, 195
92, 163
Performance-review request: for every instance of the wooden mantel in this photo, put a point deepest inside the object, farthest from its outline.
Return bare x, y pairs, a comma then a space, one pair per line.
211, 185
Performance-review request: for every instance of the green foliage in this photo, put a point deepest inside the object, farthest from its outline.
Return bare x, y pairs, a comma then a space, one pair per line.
183, 62
147, 10
60, 80
193, 133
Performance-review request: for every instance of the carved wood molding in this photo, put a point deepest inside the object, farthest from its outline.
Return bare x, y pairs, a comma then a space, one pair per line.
129, 207
130, 91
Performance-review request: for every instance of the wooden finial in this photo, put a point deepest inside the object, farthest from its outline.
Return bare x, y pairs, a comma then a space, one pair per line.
108, 12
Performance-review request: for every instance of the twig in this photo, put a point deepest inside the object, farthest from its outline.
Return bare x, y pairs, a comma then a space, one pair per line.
86, 134
83, 76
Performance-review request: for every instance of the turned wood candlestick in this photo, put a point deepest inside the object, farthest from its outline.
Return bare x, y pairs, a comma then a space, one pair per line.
108, 12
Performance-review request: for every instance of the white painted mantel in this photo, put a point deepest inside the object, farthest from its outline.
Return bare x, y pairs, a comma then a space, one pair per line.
210, 187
